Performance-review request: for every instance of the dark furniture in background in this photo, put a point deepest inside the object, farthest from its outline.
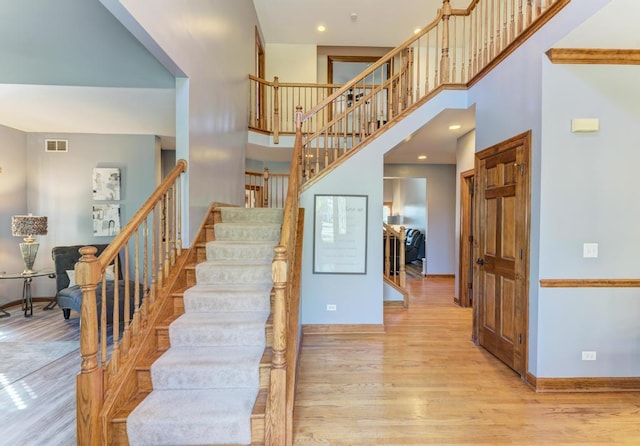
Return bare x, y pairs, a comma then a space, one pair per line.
415, 245
70, 298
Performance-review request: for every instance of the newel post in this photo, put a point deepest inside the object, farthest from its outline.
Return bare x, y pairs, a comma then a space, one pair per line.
275, 425
444, 60
89, 392
276, 110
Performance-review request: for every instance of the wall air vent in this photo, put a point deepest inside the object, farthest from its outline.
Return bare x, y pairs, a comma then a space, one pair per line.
56, 145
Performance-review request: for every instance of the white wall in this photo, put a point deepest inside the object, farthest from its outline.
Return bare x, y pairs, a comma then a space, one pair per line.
409, 197
589, 195
13, 201
504, 112
213, 44
291, 63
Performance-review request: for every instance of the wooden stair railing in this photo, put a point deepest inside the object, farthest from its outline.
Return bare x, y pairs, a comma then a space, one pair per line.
285, 311
394, 272
266, 189
151, 248
454, 51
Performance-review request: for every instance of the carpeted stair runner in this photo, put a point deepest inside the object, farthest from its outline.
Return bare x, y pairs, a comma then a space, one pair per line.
205, 385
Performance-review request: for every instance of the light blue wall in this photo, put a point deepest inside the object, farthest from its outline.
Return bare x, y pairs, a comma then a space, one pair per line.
13, 201
441, 200
359, 298
72, 42
212, 98
508, 102
60, 186
589, 195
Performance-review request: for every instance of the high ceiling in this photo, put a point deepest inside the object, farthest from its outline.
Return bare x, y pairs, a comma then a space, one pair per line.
376, 23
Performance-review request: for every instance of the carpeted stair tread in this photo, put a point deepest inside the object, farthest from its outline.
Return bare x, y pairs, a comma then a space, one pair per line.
247, 231
228, 328
216, 297
193, 417
240, 250
206, 367
233, 272
257, 215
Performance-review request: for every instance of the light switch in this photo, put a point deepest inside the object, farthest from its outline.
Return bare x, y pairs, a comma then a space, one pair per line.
585, 125
590, 250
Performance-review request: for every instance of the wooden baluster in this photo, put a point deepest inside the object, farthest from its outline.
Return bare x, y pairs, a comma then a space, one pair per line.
455, 50
265, 188
167, 234
427, 88
160, 221
444, 59
402, 276
276, 110
505, 32
178, 215
520, 17
150, 295
125, 344
89, 395
103, 326
275, 421
114, 364
492, 40
387, 262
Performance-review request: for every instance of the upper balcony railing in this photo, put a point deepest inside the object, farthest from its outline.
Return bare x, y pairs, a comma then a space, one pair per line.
455, 50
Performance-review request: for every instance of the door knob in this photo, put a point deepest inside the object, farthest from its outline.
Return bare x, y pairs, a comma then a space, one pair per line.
480, 262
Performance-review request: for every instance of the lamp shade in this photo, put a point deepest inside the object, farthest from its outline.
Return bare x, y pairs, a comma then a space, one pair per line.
28, 225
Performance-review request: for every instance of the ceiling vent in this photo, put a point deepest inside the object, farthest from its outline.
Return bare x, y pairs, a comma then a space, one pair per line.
56, 145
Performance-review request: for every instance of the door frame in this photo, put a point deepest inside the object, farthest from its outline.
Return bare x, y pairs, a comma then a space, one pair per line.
465, 259
523, 208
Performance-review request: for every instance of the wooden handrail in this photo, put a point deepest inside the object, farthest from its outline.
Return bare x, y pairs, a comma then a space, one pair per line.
453, 51
279, 410
99, 366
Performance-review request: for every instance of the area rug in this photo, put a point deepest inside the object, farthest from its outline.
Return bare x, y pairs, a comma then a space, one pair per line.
20, 359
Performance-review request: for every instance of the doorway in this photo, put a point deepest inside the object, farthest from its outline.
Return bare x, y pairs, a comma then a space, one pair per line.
501, 250
465, 271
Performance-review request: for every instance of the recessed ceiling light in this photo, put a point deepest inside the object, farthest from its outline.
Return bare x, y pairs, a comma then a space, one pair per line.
417, 30
321, 28
455, 127
422, 157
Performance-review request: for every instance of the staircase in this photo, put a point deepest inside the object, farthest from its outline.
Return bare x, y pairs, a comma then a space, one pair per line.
215, 370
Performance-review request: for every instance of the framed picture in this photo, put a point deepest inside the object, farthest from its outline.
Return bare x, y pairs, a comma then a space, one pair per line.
106, 183
340, 234
106, 219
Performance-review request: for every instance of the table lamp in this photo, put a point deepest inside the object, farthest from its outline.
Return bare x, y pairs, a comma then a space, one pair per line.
28, 226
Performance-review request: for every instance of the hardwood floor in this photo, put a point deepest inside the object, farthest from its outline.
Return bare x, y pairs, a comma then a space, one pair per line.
40, 409
423, 382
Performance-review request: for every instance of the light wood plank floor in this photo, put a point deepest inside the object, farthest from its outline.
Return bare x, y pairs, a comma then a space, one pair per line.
40, 409
424, 382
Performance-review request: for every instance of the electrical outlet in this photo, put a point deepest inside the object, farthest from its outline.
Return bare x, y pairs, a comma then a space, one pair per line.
590, 250
588, 356
331, 307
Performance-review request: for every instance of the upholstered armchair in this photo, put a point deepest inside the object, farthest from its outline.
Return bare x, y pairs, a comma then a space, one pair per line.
69, 295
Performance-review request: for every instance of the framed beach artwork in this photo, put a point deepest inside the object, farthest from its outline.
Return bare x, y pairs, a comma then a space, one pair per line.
106, 219
106, 183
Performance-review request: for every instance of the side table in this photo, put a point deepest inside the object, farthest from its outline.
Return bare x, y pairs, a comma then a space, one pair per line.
27, 300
